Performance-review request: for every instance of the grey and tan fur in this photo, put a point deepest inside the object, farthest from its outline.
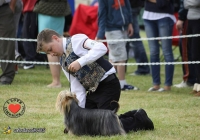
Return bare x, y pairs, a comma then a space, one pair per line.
81, 121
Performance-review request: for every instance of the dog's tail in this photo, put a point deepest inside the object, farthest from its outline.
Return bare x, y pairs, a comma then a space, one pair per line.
115, 106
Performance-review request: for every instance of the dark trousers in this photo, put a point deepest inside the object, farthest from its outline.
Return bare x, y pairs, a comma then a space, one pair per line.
104, 94
138, 46
30, 31
108, 91
186, 54
194, 44
7, 48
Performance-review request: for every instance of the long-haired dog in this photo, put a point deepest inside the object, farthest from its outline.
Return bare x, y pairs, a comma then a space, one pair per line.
81, 121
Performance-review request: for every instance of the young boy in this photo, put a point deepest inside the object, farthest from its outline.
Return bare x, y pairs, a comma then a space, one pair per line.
84, 66
87, 71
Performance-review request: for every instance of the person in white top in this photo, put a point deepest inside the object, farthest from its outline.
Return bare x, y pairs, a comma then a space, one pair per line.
159, 21
92, 78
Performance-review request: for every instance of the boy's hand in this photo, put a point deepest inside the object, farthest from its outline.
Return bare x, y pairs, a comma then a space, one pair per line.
74, 66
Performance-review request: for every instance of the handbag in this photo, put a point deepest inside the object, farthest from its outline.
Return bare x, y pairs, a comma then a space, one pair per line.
52, 7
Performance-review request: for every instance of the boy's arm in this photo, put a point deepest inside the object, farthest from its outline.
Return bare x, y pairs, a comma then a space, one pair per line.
87, 49
95, 51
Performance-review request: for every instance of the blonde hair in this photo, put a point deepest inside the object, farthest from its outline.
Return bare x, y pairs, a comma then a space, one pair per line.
45, 36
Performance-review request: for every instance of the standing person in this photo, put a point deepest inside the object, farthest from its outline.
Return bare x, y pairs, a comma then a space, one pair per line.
87, 71
17, 15
193, 17
7, 48
159, 21
115, 22
18, 12
138, 47
51, 14
29, 31
189, 76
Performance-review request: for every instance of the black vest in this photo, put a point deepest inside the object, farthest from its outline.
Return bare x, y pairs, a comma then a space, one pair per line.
89, 75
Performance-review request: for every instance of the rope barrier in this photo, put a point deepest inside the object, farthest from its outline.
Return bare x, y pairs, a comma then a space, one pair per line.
129, 64
118, 40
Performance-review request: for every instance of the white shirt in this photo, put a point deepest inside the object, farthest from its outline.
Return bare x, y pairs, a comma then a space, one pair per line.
156, 16
95, 51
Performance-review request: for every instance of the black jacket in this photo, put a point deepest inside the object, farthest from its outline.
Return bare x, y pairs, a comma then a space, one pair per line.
182, 13
136, 3
161, 6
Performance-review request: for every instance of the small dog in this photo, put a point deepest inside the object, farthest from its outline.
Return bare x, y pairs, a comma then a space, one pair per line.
81, 121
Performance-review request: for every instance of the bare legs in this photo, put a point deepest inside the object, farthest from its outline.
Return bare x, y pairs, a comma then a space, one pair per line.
121, 71
55, 72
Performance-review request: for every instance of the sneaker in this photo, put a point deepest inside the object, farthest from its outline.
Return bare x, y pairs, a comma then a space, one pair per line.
152, 89
29, 66
18, 58
183, 84
129, 87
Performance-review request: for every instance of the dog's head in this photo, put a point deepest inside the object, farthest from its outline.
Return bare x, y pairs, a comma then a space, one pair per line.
64, 100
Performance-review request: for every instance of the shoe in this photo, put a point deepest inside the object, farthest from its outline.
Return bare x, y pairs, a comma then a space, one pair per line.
18, 58
4, 83
128, 114
29, 66
146, 122
152, 89
183, 84
129, 87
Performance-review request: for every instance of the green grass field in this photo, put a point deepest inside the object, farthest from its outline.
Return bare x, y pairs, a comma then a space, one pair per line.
175, 113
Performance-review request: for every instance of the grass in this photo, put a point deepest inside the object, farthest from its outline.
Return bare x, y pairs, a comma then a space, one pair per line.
175, 113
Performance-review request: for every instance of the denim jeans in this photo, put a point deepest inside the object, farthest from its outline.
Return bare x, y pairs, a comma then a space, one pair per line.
160, 28
138, 47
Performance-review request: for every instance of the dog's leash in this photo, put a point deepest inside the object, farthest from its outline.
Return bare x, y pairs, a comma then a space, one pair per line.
69, 82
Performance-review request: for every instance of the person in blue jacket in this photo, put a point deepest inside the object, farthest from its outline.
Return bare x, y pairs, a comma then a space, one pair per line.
115, 22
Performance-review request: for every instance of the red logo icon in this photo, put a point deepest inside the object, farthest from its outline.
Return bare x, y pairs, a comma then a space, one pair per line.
14, 108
